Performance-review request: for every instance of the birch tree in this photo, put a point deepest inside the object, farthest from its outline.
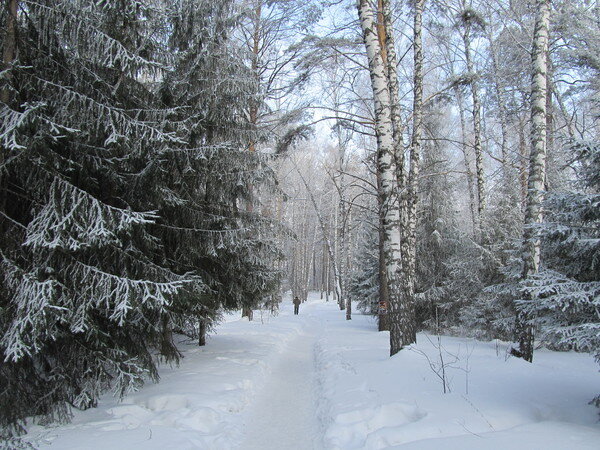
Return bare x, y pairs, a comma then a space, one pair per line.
409, 242
469, 20
386, 169
531, 250
385, 35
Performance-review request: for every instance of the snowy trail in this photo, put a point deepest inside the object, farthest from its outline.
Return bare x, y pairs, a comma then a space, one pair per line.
283, 415
250, 387
316, 381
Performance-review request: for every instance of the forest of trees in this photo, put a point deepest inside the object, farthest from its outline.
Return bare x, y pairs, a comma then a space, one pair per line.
437, 162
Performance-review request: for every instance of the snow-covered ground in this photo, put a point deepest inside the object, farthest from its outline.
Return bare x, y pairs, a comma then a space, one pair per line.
316, 381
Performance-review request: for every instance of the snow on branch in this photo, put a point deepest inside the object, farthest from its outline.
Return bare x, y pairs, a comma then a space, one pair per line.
82, 35
12, 121
567, 310
119, 295
33, 300
73, 219
121, 122
43, 303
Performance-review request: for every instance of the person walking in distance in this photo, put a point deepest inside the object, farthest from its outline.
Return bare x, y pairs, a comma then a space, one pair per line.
296, 305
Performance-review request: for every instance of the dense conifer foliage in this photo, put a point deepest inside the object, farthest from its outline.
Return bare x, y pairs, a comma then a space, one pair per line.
123, 168
565, 295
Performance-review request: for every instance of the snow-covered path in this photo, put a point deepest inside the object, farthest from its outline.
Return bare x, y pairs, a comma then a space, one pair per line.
317, 381
283, 415
251, 387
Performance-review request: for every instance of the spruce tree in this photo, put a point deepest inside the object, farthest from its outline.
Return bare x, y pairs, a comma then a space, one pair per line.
82, 293
219, 176
563, 299
122, 175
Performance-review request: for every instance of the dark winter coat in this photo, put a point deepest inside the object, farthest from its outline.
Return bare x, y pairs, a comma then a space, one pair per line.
296, 301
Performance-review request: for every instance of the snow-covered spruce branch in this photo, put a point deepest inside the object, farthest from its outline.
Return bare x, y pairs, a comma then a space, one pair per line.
12, 121
120, 294
41, 305
553, 290
204, 230
73, 219
121, 121
567, 311
81, 35
195, 211
33, 300
203, 150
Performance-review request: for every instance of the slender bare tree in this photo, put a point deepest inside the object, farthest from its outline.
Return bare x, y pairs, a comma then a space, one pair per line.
409, 241
469, 18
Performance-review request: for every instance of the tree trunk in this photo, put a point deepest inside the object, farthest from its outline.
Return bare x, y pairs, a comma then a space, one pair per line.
502, 113
346, 275
311, 260
384, 298
201, 332
339, 251
390, 60
386, 38
9, 53
386, 168
322, 277
167, 338
467, 163
314, 278
524, 158
564, 113
409, 241
537, 167
253, 115
342, 244
552, 159
326, 268
476, 122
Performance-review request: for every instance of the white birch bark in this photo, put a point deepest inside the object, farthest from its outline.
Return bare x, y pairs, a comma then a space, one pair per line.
390, 60
383, 316
476, 123
336, 257
311, 259
386, 165
391, 63
502, 112
342, 216
346, 259
537, 165
409, 243
523, 160
322, 275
